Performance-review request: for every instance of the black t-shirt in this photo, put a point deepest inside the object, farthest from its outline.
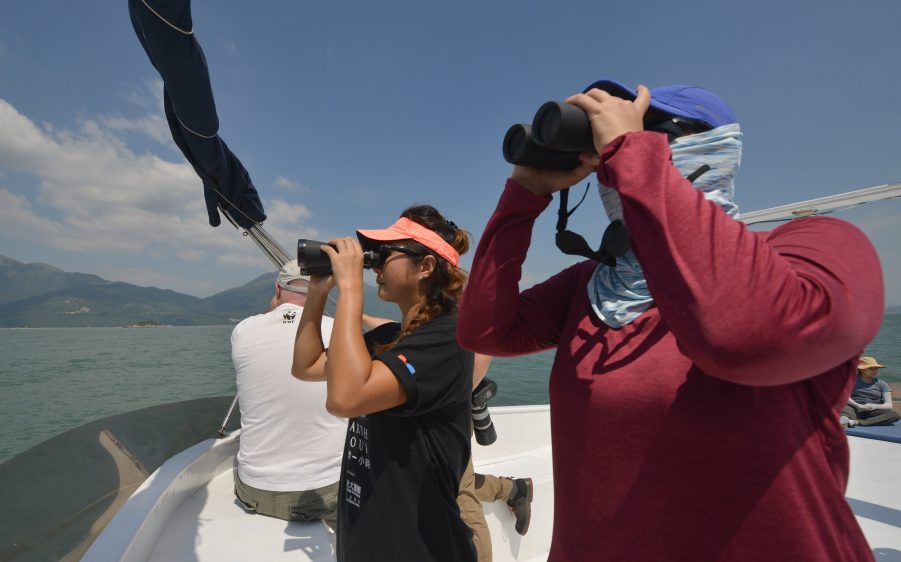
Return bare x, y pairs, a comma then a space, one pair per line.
402, 467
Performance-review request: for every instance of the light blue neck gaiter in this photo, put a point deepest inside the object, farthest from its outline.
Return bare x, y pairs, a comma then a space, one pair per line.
620, 295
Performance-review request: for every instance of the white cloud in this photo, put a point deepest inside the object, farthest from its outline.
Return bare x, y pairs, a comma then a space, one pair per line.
150, 96
84, 190
153, 126
282, 182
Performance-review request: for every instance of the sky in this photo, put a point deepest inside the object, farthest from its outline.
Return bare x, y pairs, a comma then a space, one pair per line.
347, 112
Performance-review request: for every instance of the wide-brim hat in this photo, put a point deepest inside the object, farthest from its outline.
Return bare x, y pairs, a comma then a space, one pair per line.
679, 100
869, 363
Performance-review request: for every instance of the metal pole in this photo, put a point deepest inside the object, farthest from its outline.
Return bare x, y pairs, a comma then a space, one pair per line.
228, 417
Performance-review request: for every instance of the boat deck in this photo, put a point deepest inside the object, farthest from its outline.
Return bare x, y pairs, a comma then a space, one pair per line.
874, 493
204, 522
210, 525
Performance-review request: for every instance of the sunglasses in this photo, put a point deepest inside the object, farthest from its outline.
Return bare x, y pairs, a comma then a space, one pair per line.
385, 250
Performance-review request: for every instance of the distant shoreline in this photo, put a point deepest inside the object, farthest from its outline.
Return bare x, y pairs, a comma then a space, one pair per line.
895, 312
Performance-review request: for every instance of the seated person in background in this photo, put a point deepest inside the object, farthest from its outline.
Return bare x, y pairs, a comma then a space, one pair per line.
289, 460
871, 399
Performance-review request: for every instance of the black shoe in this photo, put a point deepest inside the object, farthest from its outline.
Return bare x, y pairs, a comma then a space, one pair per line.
520, 503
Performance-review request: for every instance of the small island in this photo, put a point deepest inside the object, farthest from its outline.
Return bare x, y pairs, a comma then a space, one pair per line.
148, 324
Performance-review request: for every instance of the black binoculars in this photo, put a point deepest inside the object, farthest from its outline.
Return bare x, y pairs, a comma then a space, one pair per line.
559, 132
313, 261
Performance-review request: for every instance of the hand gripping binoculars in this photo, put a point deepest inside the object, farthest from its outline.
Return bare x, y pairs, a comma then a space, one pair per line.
559, 132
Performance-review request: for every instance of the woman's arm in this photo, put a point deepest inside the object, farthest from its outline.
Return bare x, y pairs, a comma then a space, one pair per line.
357, 385
309, 351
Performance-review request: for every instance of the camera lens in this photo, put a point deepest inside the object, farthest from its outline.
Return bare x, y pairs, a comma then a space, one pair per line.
482, 426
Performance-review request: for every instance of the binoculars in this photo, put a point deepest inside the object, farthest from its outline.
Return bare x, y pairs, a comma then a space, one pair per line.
559, 132
313, 261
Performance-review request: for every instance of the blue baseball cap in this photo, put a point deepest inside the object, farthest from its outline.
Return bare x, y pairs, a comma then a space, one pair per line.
690, 102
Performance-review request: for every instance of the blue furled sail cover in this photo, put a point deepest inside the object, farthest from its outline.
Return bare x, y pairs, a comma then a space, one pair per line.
165, 30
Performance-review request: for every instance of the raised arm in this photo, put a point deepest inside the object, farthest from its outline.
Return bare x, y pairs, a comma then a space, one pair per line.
752, 308
309, 350
357, 385
495, 318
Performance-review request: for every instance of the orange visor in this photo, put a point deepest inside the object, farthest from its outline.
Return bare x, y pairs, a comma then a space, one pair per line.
405, 229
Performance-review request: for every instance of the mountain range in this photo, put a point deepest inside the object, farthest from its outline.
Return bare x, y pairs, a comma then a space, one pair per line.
37, 295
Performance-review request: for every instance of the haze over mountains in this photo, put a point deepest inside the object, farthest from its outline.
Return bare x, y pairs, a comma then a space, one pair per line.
37, 295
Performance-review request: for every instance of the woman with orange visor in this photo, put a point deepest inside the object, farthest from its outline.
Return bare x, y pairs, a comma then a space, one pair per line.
405, 386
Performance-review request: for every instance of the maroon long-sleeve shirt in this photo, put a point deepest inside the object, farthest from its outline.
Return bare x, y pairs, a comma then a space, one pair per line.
707, 428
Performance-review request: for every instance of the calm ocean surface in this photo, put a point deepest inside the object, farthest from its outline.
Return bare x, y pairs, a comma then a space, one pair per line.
55, 379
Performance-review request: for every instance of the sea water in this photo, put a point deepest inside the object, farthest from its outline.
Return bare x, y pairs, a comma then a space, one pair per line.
55, 379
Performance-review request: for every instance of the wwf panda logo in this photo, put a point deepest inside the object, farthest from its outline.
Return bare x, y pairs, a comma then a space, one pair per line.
289, 317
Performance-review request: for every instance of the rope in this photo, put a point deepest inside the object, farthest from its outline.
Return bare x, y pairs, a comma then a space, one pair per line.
167, 22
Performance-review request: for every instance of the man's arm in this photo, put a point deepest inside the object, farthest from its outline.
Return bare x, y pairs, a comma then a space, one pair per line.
373, 322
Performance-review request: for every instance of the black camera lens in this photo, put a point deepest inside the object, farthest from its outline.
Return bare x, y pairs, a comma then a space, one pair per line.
482, 426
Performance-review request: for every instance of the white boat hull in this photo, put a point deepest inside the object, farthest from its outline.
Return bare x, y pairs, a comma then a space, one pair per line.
186, 510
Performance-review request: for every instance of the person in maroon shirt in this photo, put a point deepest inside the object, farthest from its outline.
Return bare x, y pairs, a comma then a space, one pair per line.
696, 383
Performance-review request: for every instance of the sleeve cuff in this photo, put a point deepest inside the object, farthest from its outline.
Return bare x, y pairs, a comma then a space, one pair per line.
404, 377
641, 140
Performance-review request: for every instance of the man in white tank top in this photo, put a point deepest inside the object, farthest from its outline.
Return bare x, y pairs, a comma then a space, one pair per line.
289, 460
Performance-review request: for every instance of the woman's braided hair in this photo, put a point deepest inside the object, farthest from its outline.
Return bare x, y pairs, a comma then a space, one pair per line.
445, 285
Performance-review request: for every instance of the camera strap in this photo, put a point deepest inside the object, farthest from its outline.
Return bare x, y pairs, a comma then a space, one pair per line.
614, 242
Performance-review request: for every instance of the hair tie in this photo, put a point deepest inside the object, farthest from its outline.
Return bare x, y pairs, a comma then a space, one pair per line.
451, 224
